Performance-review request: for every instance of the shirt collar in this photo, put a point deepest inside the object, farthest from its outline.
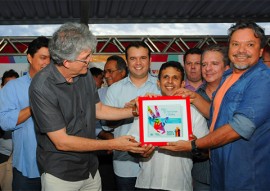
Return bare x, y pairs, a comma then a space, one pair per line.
149, 79
203, 86
28, 77
58, 77
259, 64
190, 87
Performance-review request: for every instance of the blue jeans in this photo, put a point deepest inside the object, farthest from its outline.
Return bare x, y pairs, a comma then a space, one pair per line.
21, 182
125, 183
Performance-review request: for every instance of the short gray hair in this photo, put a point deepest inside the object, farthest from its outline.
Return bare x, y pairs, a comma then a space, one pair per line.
69, 41
223, 50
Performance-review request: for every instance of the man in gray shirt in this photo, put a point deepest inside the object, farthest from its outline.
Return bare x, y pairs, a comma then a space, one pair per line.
65, 104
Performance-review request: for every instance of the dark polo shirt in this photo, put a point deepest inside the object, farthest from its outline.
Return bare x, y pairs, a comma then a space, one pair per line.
57, 104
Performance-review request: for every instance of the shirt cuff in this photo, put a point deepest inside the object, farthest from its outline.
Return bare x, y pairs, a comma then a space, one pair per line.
243, 126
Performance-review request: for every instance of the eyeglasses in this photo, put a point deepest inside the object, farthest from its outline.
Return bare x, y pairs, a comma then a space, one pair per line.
83, 61
109, 71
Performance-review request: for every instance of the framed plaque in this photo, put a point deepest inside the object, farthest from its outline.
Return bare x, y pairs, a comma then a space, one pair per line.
164, 119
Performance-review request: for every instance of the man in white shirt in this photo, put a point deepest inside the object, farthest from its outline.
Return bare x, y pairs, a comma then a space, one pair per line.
168, 170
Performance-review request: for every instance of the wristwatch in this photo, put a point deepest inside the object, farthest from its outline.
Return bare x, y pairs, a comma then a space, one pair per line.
194, 149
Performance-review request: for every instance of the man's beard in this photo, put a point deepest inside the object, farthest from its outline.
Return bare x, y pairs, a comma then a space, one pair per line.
240, 67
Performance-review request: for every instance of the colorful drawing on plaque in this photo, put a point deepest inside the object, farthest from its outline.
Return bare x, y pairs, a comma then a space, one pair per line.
164, 121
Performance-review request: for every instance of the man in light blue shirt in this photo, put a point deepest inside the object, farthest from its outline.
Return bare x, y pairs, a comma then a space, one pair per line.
138, 83
15, 115
6, 143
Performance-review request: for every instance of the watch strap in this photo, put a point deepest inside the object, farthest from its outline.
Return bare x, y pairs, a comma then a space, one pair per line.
194, 149
135, 111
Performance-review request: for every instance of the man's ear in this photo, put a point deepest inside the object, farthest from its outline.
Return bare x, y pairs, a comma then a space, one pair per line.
66, 64
261, 52
123, 73
29, 58
183, 84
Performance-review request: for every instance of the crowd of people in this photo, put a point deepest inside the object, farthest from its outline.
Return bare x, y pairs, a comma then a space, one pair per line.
76, 127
